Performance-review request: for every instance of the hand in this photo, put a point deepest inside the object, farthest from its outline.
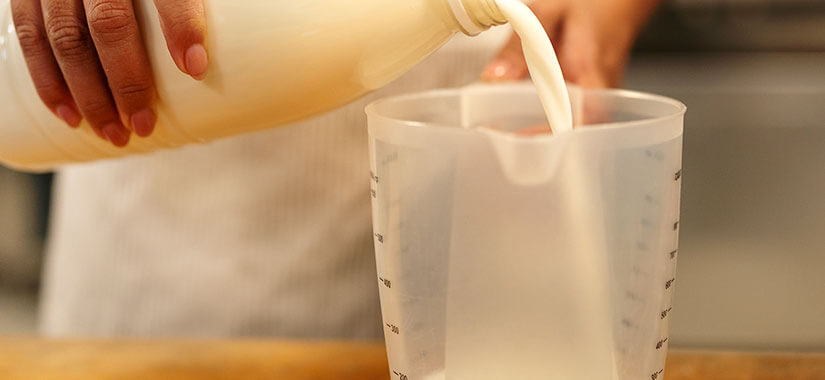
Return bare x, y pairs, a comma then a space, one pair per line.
592, 39
87, 59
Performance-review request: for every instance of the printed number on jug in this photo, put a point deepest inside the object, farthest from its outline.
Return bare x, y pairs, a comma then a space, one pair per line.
393, 328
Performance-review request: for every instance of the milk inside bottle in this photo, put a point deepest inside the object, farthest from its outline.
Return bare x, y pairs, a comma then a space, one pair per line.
272, 62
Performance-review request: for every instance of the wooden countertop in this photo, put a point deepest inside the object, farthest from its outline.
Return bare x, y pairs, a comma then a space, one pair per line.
34, 359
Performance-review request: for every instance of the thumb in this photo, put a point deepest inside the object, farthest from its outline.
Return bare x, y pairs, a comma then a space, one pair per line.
508, 65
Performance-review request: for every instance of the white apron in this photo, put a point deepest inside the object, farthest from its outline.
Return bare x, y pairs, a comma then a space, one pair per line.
263, 235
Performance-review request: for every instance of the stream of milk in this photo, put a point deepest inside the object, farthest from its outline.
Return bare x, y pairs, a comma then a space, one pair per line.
542, 62
530, 349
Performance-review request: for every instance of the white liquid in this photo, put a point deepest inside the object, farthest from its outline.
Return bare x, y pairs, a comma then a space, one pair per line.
544, 314
542, 62
530, 165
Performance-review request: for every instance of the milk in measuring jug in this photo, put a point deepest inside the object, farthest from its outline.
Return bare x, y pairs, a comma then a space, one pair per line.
271, 62
509, 340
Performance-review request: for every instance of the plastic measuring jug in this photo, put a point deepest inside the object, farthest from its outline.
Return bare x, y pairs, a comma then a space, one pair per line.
503, 255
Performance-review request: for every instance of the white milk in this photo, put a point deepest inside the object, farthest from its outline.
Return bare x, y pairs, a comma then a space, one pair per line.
542, 62
530, 165
489, 353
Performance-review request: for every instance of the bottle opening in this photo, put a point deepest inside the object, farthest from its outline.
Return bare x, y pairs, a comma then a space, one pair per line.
476, 16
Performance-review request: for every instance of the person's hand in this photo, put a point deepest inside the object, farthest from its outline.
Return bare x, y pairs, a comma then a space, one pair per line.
87, 59
592, 39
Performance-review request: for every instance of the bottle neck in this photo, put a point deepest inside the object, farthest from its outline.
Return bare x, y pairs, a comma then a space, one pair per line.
476, 16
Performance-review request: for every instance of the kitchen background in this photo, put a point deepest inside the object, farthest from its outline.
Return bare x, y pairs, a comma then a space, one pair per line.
752, 259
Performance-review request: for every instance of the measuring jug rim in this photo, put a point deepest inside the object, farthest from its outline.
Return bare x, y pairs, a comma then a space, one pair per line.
679, 108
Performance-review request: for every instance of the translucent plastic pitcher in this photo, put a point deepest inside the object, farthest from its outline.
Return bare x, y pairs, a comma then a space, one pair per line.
506, 254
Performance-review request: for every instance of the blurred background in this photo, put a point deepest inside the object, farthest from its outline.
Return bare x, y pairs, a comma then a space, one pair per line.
751, 260
24, 203
751, 264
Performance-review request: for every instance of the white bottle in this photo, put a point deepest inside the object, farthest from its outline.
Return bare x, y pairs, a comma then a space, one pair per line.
271, 62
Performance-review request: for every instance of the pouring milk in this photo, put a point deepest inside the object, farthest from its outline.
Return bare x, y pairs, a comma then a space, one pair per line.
542, 62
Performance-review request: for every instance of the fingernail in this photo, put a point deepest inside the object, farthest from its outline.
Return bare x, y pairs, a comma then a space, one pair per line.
69, 115
100, 134
117, 134
498, 71
143, 122
196, 61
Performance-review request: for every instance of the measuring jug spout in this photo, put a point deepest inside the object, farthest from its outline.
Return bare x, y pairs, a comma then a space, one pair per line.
528, 160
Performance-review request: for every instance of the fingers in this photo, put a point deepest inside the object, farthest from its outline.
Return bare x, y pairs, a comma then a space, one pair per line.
72, 45
86, 57
117, 39
535, 130
510, 64
48, 80
581, 58
577, 44
184, 25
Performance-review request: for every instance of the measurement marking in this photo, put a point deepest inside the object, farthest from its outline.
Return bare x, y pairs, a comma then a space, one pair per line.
373, 176
649, 199
665, 313
393, 328
661, 344
374, 193
678, 175
386, 282
390, 158
669, 283
627, 323
656, 374
380, 238
657, 155
400, 375
673, 253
